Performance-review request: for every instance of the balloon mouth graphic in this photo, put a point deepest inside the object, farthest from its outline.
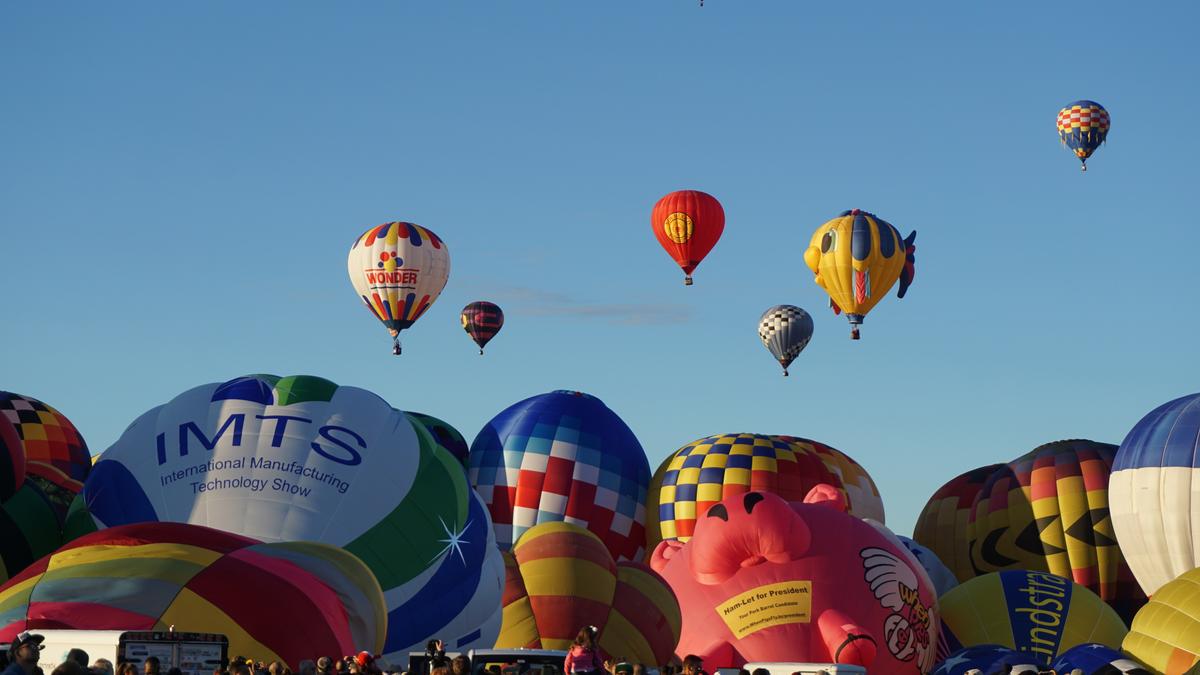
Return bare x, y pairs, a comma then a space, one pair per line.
754, 561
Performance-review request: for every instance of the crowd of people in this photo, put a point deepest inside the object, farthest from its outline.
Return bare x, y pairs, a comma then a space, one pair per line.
584, 658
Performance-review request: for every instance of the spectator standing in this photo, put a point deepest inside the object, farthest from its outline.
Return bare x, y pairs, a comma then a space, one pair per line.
24, 654
151, 666
584, 657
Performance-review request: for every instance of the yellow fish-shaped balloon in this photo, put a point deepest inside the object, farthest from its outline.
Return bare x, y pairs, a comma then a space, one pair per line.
856, 258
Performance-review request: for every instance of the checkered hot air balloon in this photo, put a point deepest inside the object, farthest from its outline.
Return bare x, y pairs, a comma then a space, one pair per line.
398, 270
56, 456
482, 320
1082, 127
563, 456
785, 331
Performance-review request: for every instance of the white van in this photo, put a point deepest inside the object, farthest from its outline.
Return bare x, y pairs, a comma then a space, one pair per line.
807, 668
193, 653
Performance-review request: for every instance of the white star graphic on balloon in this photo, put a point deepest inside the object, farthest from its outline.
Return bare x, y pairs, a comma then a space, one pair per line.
453, 541
954, 661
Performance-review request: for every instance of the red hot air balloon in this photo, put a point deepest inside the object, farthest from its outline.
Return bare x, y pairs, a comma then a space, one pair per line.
688, 224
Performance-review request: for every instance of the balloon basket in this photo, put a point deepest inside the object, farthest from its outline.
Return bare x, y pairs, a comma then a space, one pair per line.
854, 334
687, 281
395, 347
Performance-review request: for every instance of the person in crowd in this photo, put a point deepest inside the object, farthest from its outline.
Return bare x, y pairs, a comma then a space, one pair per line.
174, 670
127, 668
102, 667
151, 666
761, 671
461, 665
494, 669
622, 667
307, 667
78, 656
239, 667
324, 666
743, 671
693, 665
69, 667
440, 670
24, 654
584, 657
639, 669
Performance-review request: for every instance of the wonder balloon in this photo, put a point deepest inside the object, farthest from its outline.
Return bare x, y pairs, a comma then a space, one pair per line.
688, 223
561, 577
398, 269
1165, 634
942, 525
856, 258
785, 331
563, 456
482, 320
1083, 127
152, 576
1048, 510
1153, 493
1039, 613
301, 458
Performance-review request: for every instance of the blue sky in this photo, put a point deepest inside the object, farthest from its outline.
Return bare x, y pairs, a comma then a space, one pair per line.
180, 184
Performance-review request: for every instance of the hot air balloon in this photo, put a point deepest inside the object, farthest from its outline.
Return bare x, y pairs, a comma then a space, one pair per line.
941, 576
1165, 634
942, 525
767, 580
29, 529
12, 460
446, 435
1082, 127
154, 575
1048, 511
1097, 659
561, 577
563, 456
398, 269
688, 224
785, 331
856, 258
1039, 613
860, 488
1156, 475
482, 320
710, 469
56, 456
301, 458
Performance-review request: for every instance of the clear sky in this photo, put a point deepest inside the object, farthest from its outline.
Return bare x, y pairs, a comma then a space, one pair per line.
180, 184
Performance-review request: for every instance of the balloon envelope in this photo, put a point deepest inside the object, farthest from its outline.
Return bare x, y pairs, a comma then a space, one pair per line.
687, 224
56, 456
561, 577
482, 320
942, 525
1048, 510
1165, 634
398, 270
1039, 613
301, 458
785, 331
1152, 493
563, 456
1097, 659
155, 575
941, 576
29, 529
1083, 127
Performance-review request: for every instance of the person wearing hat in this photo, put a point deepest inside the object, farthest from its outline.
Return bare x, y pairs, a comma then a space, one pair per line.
623, 668
24, 654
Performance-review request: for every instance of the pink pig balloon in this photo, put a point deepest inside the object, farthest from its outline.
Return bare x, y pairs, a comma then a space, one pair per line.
763, 579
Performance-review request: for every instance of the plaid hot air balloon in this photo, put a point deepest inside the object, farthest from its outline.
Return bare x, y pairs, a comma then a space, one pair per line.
1082, 127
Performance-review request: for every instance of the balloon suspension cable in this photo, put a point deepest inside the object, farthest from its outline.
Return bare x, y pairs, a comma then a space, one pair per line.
396, 346
687, 280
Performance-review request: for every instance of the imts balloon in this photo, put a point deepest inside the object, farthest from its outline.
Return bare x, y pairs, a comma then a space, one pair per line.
1082, 127
785, 331
856, 258
398, 269
688, 224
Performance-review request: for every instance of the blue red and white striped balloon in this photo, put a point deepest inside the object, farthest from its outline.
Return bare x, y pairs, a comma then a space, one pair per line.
1097, 659
1151, 493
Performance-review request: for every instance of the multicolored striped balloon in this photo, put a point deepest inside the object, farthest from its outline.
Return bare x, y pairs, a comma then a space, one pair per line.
29, 529
1048, 511
561, 577
482, 320
563, 456
286, 601
942, 525
398, 270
